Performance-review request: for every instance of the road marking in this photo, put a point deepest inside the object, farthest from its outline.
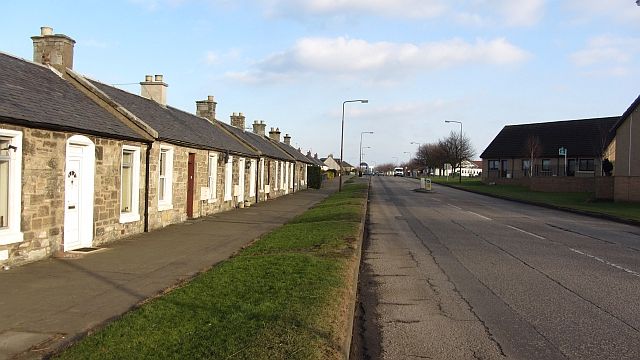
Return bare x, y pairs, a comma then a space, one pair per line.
480, 216
455, 207
606, 262
526, 232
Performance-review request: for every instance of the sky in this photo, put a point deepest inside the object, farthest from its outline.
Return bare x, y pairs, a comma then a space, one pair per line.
290, 63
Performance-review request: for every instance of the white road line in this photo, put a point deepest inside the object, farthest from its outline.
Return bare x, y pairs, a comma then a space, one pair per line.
480, 216
606, 262
455, 207
526, 232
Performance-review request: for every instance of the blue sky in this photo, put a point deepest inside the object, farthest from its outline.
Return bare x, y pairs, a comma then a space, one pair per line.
486, 63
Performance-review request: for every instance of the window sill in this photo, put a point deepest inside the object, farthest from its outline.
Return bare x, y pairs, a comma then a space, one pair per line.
212, 201
10, 237
164, 207
129, 217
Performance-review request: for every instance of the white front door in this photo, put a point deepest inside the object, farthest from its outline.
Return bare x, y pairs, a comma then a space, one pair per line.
241, 164
78, 204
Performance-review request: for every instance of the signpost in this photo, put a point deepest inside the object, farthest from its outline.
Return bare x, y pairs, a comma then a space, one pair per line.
563, 151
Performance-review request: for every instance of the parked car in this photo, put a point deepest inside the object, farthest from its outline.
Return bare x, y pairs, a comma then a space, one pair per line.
398, 171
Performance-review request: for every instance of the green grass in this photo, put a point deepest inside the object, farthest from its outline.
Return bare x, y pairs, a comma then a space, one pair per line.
579, 201
277, 299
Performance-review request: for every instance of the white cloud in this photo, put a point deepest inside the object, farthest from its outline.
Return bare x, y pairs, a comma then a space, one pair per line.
522, 12
211, 58
615, 10
607, 55
396, 8
345, 56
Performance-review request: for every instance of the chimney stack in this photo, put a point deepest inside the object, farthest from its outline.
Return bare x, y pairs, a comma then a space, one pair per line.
53, 49
237, 120
287, 139
154, 89
259, 127
207, 108
274, 134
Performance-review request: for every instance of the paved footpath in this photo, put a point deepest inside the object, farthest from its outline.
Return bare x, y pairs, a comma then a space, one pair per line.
50, 302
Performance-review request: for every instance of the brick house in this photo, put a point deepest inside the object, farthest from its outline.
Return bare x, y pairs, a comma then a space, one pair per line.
627, 157
587, 143
56, 147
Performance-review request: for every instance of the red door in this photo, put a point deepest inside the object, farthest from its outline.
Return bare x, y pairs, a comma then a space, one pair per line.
190, 184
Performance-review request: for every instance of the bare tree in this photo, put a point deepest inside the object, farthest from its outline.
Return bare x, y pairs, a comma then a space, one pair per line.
431, 156
534, 149
456, 148
386, 167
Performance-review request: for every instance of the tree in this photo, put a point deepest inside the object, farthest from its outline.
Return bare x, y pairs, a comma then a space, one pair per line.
431, 156
456, 148
534, 149
386, 167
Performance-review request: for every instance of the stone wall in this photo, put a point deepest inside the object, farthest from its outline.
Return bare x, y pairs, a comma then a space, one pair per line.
43, 186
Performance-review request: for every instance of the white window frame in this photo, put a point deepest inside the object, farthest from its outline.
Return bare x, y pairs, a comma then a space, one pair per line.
12, 233
261, 183
228, 179
291, 176
213, 177
276, 178
252, 180
134, 214
167, 202
282, 164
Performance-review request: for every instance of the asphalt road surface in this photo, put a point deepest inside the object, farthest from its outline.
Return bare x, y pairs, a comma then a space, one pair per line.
455, 275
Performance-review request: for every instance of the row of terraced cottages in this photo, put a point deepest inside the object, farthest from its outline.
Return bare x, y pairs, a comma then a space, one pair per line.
83, 163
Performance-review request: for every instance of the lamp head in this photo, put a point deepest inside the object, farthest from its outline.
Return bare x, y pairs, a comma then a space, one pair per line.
365, 101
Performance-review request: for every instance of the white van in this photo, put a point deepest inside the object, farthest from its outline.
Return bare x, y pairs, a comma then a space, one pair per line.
398, 171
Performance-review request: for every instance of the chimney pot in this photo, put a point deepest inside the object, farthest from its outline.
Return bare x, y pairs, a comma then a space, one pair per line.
46, 31
158, 78
210, 98
259, 127
148, 78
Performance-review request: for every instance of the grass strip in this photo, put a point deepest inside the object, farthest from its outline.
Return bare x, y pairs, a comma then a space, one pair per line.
572, 200
280, 298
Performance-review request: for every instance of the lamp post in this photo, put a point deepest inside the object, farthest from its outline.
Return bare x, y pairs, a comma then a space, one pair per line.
362, 133
364, 101
459, 145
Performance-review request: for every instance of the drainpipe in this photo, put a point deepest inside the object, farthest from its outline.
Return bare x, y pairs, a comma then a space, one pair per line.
146, 187
630, 138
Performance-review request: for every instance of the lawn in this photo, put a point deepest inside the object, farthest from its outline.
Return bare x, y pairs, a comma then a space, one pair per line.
577, 201
283, 297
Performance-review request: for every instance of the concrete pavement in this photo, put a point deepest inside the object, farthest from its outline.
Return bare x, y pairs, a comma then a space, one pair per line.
46, 304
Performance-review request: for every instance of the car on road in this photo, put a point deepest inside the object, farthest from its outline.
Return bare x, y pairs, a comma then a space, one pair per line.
398, 171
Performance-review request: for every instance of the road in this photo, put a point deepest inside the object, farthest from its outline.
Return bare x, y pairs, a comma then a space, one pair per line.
456, 275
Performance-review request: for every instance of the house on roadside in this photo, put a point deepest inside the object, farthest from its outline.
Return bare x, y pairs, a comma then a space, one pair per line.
272, 160
62, 183
331, 164
626, 168
533, 155
587, 142
298, 175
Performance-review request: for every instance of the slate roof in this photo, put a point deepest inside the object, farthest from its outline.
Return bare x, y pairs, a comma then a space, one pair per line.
297, 155
33, 95
174, 125
626, 114
586, 137
257, 141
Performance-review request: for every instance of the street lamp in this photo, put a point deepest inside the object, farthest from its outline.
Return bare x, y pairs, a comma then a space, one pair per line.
459, 145
418, 152
360, 163
364, 101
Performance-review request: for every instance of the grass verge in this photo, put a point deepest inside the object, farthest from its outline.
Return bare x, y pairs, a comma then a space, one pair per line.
571, 200
283, 297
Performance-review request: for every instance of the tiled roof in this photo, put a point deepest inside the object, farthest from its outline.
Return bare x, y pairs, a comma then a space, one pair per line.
259, 142
588, 137
176, 126
34, 95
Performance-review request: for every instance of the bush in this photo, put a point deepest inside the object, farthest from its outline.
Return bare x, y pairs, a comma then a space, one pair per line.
314, 177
